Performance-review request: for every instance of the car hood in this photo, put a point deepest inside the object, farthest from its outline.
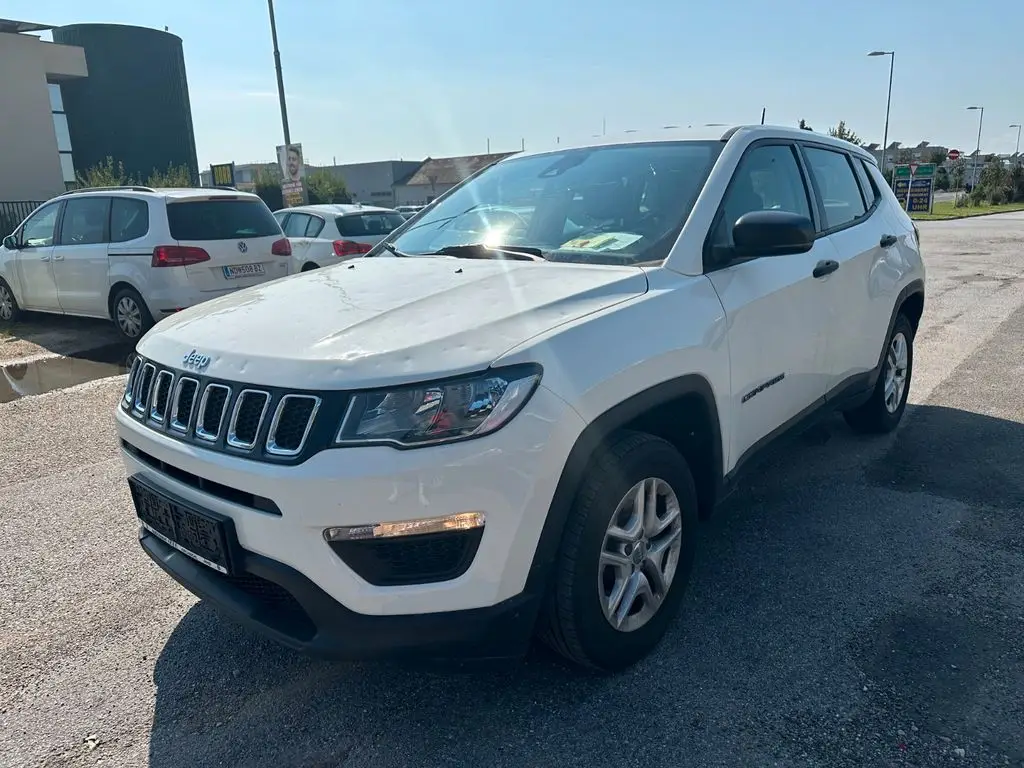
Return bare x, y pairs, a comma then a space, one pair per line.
381, 321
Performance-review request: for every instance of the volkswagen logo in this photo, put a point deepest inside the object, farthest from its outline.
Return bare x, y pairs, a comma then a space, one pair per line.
242, 247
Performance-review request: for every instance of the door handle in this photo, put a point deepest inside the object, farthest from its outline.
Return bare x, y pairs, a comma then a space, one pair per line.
825, 267
887, 241
45, 258
58, 257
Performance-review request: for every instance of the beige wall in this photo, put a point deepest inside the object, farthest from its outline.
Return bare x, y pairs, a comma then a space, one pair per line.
29, 163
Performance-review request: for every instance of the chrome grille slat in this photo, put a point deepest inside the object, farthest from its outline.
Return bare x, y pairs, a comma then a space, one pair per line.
161, 396
185, 383
211, 393
272, 445
142, 389
244, 397
129, 385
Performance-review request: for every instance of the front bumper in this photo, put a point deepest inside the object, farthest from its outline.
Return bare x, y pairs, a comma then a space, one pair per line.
280, 603
279, 512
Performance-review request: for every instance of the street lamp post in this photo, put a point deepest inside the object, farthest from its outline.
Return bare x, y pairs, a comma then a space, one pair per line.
888, 100
280, 77
1016, 152
977, 153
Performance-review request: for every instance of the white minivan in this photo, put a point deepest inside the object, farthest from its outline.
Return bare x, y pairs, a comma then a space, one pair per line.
135, 255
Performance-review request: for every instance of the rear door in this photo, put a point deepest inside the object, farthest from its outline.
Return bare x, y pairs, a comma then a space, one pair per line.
295, 228
81, 267
35, 269
238, 233
857, 316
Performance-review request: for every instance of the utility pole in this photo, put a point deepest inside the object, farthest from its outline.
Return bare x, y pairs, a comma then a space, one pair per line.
280, 77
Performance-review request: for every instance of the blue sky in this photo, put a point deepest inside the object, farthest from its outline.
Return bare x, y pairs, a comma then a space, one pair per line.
407, 79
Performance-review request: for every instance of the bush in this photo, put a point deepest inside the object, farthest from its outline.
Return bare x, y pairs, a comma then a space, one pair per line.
978, 195
960, 201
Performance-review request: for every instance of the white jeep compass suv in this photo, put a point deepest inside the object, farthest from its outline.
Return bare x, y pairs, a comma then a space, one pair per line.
135, 255
507, 418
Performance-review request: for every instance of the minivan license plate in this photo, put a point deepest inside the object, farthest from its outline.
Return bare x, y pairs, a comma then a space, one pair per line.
243, 270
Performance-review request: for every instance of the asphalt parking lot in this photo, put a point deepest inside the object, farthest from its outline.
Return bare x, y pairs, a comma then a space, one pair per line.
857, 602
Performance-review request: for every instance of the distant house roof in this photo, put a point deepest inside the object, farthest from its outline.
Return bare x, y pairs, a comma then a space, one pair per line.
13, 26
871, 147
451, 170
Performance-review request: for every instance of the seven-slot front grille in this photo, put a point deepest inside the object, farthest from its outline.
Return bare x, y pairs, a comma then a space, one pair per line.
255, 422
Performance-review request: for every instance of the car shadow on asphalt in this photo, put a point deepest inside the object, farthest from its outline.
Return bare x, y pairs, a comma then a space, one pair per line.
853, 603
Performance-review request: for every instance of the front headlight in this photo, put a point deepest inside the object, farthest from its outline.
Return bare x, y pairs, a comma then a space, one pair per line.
438, 412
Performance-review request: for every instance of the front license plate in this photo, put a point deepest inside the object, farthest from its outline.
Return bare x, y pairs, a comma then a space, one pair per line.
203, 536
243, 270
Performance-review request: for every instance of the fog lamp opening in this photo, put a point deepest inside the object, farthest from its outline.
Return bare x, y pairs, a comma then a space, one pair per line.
463, 521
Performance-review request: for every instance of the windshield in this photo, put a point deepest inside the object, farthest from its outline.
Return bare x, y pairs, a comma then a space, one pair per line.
369, 224
221, 219
622, 204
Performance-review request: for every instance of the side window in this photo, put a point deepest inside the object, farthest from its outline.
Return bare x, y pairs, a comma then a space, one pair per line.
768, 178
280, 216
314, 226
867, 182
296, 225
85, 221
129, 219
38, 229
838, 187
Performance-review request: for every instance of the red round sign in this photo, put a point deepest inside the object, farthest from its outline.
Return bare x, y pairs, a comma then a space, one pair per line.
954, 154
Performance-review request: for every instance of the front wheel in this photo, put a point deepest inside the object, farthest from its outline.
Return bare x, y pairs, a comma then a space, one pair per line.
884, 410
626, 555
9, 309
131, 314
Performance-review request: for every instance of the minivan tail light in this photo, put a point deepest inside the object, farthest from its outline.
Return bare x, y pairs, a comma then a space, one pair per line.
282, 247
349, 248
178, 255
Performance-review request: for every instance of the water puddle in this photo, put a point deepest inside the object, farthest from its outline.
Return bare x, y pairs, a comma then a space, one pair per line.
36, 378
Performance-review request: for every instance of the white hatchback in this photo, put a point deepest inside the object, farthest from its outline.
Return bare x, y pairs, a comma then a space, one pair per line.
135, 255
322, 235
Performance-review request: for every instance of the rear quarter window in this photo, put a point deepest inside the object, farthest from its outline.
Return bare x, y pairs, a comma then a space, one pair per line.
221, 219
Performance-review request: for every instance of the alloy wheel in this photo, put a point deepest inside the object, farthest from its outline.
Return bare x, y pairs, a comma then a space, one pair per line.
896, 372
640, 554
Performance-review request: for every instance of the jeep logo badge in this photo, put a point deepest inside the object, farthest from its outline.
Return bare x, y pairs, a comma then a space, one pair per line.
196, 361
242, 246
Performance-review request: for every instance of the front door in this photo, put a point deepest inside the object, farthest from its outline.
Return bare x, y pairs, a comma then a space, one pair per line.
80, 263
35, 269
773, 304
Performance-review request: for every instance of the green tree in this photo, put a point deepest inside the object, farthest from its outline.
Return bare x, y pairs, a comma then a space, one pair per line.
842, 132
804, 126
957, 171
105, 174
174, 176
937, 156
267, 184
324, 187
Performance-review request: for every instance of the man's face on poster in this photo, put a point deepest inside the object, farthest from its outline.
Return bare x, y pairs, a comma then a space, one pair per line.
293, 163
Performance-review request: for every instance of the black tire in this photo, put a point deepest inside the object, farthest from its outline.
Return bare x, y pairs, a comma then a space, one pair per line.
874, 416
573, 622
309, 266
9, 309
120, 311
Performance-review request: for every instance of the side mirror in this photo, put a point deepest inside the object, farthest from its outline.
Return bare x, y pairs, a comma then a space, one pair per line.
772, 233
10, 243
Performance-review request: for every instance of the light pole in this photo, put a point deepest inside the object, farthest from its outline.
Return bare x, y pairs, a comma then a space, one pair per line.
977, 154
280, 77
1016, 152
888, 102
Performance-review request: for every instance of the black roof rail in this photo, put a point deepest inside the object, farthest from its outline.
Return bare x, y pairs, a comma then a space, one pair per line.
128, 188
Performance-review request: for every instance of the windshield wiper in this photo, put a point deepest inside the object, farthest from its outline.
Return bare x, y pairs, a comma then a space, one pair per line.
390, 248
483, 251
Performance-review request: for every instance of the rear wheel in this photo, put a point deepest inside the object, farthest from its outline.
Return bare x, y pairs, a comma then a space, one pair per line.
884, 410
626, 555
131, 315
9, 309
309, 265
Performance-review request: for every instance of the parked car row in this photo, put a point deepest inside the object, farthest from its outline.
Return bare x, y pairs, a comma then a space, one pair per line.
135, 255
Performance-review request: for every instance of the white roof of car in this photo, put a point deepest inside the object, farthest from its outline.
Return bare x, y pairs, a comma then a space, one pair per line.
698, 133
340, 209
178, 193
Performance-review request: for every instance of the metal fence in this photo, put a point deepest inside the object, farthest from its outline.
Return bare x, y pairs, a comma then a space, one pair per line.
14, 212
